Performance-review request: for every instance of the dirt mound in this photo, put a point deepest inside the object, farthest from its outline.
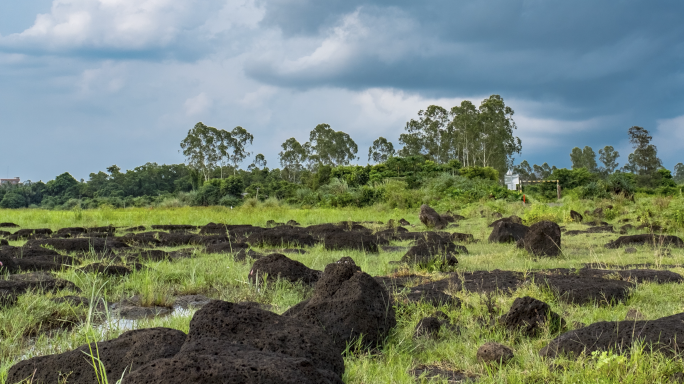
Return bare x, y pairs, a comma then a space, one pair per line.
647, 239
428, 327
529, 315
507, 232
8, 225
403, 222
422, 235
663, 335
146, 238
19, 284
7, 264
462, 237
347, 303
282, 237
634, 275
542, 239
439, 374
81, 245
477, 281
38, 233
227, 247
277, 265
430, 218
247, 253
4, 233
139, 228
176, 239
351, 240
576, 216
432, 296
4, 242
127, 352
28, 251
108, 229
494, 353
319, 231
66, 233
213, 229
175, 227
237, 343
582, 290
433, 249
512, 219
45, 263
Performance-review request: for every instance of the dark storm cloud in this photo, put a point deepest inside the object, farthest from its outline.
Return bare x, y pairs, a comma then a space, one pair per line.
594, 56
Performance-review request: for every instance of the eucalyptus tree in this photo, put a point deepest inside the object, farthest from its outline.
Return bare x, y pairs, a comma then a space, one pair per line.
584, 158
608, 157
200, 149
644, 161
292, 158
329, 147
381, 150
238, 152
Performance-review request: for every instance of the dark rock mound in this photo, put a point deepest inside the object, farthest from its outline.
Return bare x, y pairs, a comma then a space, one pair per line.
348, 303
39, 233
4, 242
662, 335
512, 219
81, 245
105, 269
7, 264
477, 281
494, 353
462, 237
139, 228
580, 290
28, 251
350, 240
282, 237
4, 233
576, 216
277, 265
8, 225
128, 352
542, 239
428, 327
227, 247
45, 263
237, 343
66, 233
19, 284
175, 228
647, 239
435, 297
529, 315
507, 232
434, 249
213, 229
110, 229
176, 239
626, 228
439, 374
146, 238
634, 275
430, 218
247, 253
403, 222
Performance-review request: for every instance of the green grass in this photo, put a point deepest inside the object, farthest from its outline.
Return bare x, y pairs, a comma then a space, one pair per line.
38, 326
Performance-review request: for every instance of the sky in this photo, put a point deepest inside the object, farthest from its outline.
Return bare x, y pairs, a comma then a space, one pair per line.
85, 84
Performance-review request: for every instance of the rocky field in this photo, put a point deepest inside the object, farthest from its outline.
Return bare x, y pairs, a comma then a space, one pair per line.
501, 294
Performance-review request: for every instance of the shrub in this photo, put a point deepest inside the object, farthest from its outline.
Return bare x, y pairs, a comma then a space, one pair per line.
13, 200
487, 173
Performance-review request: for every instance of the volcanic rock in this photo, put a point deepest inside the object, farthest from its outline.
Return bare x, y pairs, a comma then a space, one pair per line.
542, 239
277, 265
430, 218
529, 315
494, 353
507, 232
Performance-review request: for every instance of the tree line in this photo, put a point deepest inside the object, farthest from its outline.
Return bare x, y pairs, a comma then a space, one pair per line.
466, 141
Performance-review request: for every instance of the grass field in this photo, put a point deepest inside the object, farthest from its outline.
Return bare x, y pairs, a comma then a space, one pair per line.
38, 326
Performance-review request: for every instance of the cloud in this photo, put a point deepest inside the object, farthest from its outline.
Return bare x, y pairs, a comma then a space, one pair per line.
146, 28
198, 104
669, 139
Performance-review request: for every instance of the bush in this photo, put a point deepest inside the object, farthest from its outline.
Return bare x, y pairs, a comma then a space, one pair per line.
13, 200
593, 190
622, 183
486, 173
230, 201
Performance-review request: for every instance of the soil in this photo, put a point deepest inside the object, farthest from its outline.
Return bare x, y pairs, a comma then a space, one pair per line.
347, 303
231, 343
439, 374
529, 316
494, 353
647, 239
542, 239
507, 232
8, 225
81, 245
282, 236
350, 240
127, 352
662, 335
277, 265
430, 218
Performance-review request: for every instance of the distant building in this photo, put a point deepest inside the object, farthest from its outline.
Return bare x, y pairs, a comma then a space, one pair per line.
14, 181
